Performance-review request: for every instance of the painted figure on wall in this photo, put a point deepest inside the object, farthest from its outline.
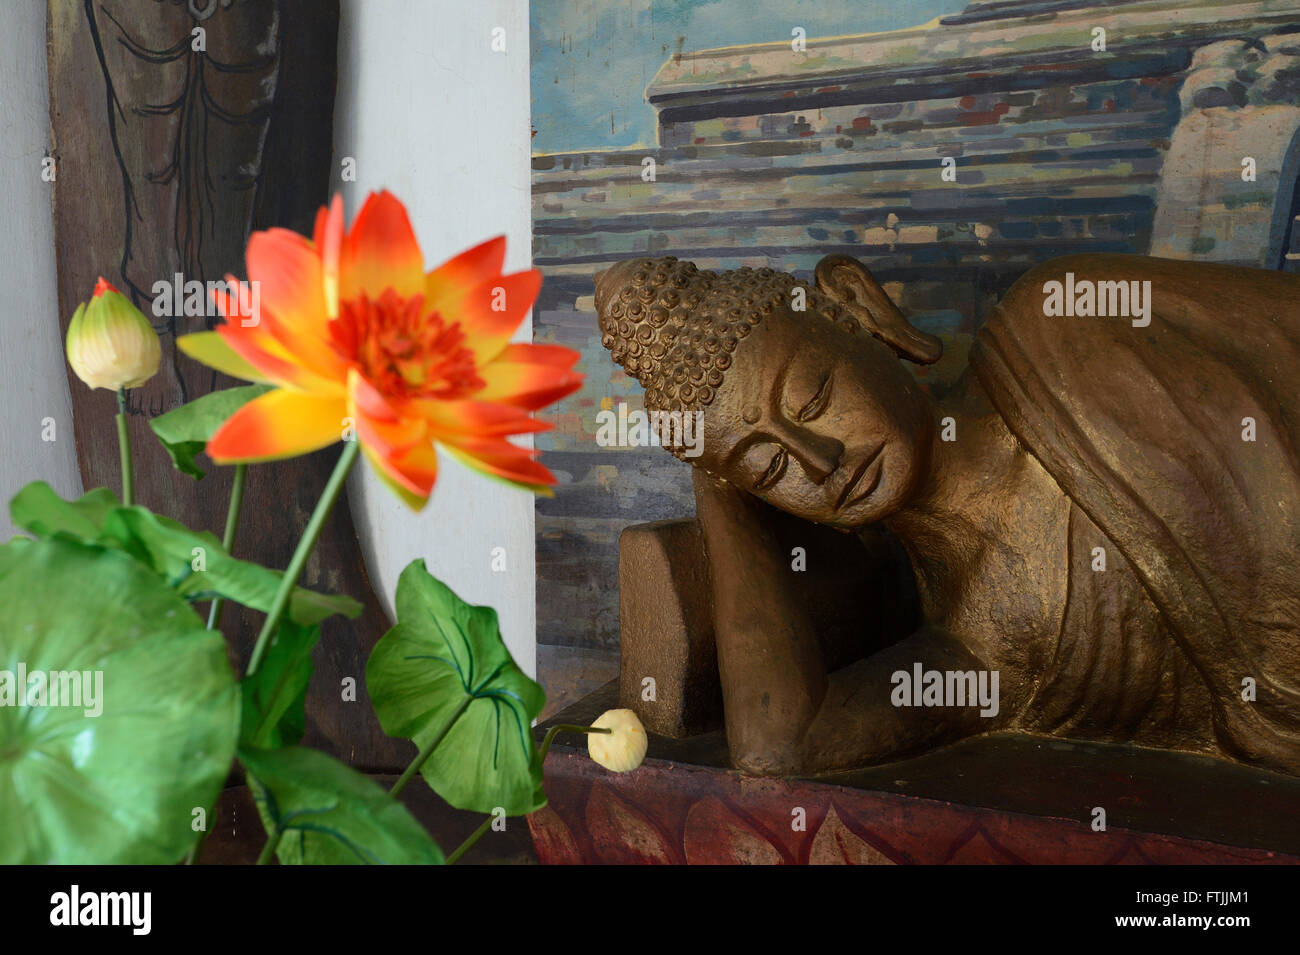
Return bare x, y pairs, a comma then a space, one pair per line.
1104, 513
190, 85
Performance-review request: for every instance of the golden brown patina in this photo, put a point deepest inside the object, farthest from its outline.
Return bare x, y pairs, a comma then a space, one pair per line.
1105, 512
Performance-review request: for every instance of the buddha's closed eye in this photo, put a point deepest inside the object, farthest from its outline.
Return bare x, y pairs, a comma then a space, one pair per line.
776, 455
775, 469
818, 402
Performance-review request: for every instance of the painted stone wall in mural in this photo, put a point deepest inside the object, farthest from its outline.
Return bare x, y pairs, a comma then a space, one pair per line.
950, 157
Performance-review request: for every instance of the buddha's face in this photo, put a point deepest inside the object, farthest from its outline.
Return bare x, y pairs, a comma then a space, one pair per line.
823, 424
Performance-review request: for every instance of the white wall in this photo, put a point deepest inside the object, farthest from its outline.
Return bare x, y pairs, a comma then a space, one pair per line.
33, 380
430, 112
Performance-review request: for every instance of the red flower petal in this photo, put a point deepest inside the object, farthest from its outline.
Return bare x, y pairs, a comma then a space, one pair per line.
410, 475
291, 287
378, 426
493, 311
278, 424
328, 239
532, 354
446, 286
526, 385
477, 418
270, 358
381, 252
501, 458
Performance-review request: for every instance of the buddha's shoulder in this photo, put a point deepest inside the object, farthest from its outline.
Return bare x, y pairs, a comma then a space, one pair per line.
1211, 283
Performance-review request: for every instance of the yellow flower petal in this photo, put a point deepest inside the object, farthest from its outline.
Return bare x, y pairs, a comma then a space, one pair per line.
211, 349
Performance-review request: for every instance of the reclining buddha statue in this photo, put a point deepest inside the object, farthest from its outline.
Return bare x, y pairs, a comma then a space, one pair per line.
1104, 512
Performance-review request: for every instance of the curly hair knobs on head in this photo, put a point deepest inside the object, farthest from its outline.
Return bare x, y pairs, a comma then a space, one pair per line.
675, 328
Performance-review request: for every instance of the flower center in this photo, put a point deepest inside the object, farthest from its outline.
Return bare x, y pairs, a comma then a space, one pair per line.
403, 350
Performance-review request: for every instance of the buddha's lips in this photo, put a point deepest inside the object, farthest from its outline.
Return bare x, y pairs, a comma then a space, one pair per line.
856, 478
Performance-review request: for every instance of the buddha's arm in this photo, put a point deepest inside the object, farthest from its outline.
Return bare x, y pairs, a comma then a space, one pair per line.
769, 658
784, 712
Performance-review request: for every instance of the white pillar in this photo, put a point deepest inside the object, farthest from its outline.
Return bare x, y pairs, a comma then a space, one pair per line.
35, 379
430, 111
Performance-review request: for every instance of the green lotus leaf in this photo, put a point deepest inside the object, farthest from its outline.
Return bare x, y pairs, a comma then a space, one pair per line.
39, 509
116, 778
186, 431
200, 569
444, 673
193, 562
330, 814
274, 698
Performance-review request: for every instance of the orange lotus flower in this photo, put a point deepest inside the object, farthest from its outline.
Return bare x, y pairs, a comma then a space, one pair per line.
351, 327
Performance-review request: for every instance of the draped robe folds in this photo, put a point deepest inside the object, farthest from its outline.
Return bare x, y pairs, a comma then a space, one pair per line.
1145, 429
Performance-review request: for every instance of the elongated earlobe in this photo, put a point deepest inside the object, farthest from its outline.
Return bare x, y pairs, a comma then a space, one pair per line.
849, 282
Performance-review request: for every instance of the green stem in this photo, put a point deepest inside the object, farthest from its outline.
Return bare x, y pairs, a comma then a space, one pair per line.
124, 446
468, 844
272, 843
305, 545
227, 543
566, 728
228, 539
427, 750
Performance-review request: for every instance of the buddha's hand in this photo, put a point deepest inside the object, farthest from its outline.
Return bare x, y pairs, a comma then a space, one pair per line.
785, 713
876, 710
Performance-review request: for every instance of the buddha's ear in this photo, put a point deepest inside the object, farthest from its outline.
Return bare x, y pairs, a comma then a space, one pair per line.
847, 281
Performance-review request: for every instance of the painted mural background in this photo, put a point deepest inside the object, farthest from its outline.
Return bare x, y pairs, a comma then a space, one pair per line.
1172, 131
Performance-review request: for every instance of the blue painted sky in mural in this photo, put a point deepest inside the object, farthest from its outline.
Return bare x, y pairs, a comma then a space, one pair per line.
592, 59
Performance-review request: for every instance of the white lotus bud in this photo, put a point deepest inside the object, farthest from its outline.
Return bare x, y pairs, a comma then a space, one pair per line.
110, 343
623, 748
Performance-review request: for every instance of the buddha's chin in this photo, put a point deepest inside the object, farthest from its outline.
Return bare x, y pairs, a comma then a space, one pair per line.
860, 515
888, 495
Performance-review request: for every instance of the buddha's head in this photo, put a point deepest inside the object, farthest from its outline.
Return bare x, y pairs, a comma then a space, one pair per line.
805, 402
